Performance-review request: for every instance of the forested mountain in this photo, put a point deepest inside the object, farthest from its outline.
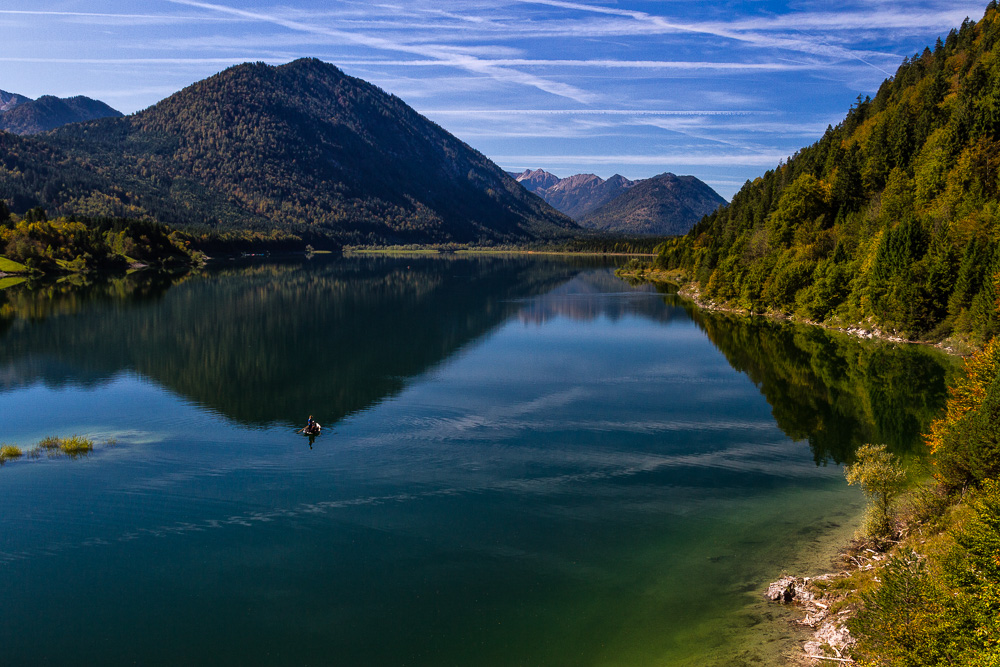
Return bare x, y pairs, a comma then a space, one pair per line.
891, 219
300, 148
663, 205
21, 115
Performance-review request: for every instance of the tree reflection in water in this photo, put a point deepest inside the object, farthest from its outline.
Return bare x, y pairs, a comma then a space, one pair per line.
266, 343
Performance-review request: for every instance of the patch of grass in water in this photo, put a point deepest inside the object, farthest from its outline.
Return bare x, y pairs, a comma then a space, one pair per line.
49, 446
76, 446
73, 446
49, 443
9, 452
54, 447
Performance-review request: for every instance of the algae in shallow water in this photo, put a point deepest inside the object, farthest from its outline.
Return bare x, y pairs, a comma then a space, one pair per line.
73, 446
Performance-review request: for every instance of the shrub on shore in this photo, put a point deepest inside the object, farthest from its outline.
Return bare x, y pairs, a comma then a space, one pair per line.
68, 245
881, 478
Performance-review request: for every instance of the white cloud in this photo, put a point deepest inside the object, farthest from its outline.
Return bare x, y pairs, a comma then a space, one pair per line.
864, 20
134, 61
760, 38
594, 112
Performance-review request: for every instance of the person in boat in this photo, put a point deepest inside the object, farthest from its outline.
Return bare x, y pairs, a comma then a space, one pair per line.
312, 426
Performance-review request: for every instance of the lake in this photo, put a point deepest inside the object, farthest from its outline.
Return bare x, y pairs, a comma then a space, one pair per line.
523, 462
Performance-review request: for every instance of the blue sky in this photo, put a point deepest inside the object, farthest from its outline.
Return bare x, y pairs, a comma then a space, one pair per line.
722, 90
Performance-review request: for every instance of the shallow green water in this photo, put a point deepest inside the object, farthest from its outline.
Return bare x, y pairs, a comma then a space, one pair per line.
523, 462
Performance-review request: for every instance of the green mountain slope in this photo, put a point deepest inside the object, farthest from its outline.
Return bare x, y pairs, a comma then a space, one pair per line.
891, 219
297, 148
34, 172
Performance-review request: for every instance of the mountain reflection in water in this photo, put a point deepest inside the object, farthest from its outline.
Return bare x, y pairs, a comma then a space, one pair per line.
268, 343
530, 463
265, 343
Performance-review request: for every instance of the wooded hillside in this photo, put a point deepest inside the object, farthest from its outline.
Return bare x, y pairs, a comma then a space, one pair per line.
301, 148
891, 219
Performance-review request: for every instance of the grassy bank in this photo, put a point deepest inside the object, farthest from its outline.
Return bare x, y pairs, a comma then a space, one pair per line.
36, 245
10, 266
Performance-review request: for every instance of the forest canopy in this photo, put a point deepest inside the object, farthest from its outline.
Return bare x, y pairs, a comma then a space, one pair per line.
891, 219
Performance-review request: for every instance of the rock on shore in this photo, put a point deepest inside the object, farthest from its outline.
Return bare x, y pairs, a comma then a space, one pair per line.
830, 635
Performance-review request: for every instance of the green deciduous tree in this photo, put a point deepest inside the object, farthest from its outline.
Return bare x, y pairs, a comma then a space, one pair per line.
881, 478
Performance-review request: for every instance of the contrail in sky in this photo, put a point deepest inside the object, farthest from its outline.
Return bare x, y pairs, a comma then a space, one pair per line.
805, 45
446, 56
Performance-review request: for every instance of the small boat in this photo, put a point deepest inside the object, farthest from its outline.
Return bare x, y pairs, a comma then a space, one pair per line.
311, 430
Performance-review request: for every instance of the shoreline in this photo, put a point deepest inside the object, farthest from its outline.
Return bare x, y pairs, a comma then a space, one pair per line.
689, 290
813, 602
489, 251
813, 605
812, 620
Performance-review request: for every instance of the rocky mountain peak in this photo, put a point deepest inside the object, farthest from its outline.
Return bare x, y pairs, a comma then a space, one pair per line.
577, 181
620, 181
10, 100
539, 179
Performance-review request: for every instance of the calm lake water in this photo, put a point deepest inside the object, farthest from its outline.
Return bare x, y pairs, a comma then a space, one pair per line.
523, 462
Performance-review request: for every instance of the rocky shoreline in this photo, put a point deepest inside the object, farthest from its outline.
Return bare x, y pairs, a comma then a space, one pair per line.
829, 630
824, 604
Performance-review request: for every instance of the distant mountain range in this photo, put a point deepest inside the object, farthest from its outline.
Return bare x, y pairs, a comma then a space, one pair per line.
23, 115
577, 195
300, 148
661, 205
664, 205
